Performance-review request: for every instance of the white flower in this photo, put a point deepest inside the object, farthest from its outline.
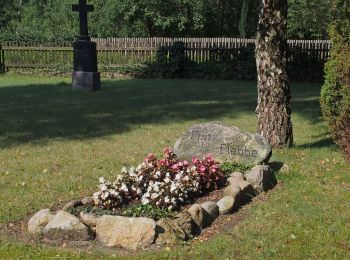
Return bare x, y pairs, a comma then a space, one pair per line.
102, 180
103, 187
154, 196
173, 187
124, 170
145, 201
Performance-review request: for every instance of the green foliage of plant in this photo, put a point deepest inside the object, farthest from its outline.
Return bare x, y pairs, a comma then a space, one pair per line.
92, 210
308, 19
147, 211
138, 210
229, 167
54, 20
171, 62
335, 94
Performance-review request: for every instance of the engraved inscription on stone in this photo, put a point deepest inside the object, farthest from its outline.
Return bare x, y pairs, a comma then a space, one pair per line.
198, 136
225, 143
232, 150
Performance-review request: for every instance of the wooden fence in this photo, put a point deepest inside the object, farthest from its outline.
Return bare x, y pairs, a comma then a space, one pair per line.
115, 52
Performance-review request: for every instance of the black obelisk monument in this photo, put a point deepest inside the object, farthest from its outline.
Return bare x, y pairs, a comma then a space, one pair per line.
85, 75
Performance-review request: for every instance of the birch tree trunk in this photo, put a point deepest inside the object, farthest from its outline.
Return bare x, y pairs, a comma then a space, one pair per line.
273, 109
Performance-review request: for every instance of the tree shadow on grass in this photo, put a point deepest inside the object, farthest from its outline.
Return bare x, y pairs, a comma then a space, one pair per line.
324, 142
33, 113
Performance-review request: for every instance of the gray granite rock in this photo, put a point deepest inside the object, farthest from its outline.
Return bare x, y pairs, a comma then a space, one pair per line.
233, 189
197, 214
262, 177
241, 190
279, 167
37, 223
248, 191
225, 143
64, 226
87, 201
237, 175
72, 204
129, 233
172, 230
88, 219
226, 204
211, 212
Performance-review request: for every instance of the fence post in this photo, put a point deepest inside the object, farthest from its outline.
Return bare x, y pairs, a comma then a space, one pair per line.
2, 60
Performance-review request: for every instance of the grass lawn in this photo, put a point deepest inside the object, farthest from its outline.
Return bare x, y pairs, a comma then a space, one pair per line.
55, 143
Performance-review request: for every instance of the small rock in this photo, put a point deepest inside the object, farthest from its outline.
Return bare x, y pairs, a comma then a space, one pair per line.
261, 177
37, 223
237, 175
72, 204
233, 189
88, 219
129, 233
276, 166
248, 191
64, 226
211, 212
197, 214
285, 168
87, 201
172, 230
226, 205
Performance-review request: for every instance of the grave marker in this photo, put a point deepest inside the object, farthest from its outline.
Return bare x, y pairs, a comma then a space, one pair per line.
85, 75
225, 143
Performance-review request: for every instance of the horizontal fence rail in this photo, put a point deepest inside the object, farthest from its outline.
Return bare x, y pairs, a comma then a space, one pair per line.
114, 52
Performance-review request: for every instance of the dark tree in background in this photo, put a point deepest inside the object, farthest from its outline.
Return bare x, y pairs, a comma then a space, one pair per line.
273, 109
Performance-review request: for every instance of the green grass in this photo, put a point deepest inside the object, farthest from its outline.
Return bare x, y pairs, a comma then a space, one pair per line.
55, 143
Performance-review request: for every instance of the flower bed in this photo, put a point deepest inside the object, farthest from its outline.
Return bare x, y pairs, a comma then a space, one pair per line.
155, 203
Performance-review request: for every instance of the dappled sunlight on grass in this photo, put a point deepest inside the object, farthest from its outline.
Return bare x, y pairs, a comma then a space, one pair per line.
55, 144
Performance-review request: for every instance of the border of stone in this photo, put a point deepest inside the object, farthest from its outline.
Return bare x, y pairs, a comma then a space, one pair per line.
140, 233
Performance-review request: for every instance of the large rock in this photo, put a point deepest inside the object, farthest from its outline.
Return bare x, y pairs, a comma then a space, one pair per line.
197, 213
226, 204
262, 177
225, 143
129, 233
37, 223
64, 226
211, 212
172, 230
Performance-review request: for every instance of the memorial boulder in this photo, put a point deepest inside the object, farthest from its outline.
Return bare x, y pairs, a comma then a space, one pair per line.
225, 143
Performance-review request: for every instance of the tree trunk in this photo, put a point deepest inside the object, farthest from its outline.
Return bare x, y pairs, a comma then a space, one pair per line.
273, 109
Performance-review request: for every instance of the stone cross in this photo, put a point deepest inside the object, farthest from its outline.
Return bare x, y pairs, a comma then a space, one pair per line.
83, 10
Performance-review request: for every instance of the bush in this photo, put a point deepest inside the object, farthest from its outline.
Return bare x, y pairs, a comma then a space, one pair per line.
335, 94
305, 67
171, 62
